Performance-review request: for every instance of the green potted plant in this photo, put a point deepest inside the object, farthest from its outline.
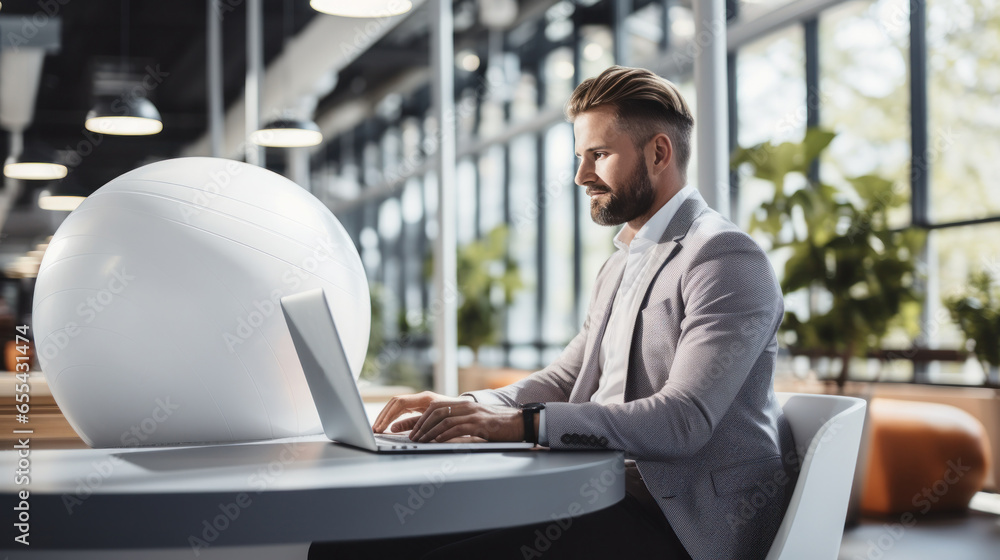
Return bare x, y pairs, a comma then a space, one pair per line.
488, 279
383, 365
376, 338
858, 274
977, 313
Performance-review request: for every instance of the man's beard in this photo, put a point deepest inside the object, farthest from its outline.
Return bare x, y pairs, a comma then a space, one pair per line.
628, 202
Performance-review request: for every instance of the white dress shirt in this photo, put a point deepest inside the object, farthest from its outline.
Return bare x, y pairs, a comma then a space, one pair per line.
615, 346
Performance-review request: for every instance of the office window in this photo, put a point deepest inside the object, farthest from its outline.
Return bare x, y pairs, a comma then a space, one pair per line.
431, 204
558, 25
771, 106
645, 30
749, 9
345, 184
412, 209
771, 96
389, 228
681, 25
465, 105
559, 72
392, 150
491, 114
559, 325
410, 138
524, 209
524, 105
491, 185
371, 255
372, 161
959, 251
963, 42
465, 187
596, 50
864, 96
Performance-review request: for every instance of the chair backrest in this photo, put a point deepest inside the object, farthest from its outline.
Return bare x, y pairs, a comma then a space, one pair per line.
827, 432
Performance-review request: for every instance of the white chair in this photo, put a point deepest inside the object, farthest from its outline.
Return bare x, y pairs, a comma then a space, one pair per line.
831, 428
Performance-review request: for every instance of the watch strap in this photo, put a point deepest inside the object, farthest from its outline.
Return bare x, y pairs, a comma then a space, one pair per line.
528, 413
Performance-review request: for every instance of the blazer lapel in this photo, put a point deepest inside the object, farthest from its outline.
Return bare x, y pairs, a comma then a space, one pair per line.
669, 245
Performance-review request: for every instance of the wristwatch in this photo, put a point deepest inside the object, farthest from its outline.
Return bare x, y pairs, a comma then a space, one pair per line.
528, 413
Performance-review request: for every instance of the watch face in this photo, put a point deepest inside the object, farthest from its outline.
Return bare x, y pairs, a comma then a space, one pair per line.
533, 406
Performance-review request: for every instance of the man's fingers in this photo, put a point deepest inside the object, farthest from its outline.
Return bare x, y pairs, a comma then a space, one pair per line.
405, 424
458, 434
432, 431
443, 409
462, 439
389, 413
428, 419
397, 407
432, 408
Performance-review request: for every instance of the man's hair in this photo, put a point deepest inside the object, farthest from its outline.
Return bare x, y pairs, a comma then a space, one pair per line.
645, 105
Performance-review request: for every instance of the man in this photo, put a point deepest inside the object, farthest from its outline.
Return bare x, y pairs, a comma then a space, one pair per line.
674, 364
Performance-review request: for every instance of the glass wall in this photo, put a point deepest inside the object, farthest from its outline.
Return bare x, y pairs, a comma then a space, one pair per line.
770, 105
963, 44
864, 95
849, 69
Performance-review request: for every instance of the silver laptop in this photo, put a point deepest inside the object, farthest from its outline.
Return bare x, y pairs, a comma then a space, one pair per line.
332, 385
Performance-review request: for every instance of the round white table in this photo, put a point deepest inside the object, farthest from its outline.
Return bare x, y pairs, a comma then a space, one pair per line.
294, 490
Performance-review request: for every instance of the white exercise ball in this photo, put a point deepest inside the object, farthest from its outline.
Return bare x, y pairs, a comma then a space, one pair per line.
156, 311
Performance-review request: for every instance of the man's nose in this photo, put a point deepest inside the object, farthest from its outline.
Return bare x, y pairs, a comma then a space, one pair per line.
584, 174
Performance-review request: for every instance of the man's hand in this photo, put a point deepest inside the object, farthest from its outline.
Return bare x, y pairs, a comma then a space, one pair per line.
403, 404
445, 420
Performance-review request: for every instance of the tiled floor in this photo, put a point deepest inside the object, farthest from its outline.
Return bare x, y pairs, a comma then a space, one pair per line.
975, 536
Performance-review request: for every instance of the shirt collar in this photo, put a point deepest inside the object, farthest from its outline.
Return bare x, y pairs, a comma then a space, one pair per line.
651, 232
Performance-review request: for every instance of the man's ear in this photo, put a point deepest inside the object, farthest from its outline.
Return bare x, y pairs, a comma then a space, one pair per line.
662, 153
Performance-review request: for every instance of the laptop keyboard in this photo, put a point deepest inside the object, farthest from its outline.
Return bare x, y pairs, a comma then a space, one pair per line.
393, 438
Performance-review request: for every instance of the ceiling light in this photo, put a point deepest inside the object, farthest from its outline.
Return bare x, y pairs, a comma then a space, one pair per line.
62, 196
593, 51
287, 133
60, 203
33, 163
468, 61
367, 9
34, 170
564, 69
133, 116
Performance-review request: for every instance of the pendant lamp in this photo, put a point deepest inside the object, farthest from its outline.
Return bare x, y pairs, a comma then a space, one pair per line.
356, 9
127, 114
34, 162
287, 133
135, 116
64, 195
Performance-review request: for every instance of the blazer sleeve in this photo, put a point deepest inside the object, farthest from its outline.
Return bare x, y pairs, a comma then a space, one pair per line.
732, 309
556, 381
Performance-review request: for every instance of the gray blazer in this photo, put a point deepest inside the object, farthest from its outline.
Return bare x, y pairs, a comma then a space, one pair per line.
700, 415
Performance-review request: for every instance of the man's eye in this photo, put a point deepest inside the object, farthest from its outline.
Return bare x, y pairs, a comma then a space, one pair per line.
599, 155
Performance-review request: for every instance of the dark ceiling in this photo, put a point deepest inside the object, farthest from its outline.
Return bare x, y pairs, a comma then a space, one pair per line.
170, 36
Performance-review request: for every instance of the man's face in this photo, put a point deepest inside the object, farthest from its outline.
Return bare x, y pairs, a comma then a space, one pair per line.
611, 168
